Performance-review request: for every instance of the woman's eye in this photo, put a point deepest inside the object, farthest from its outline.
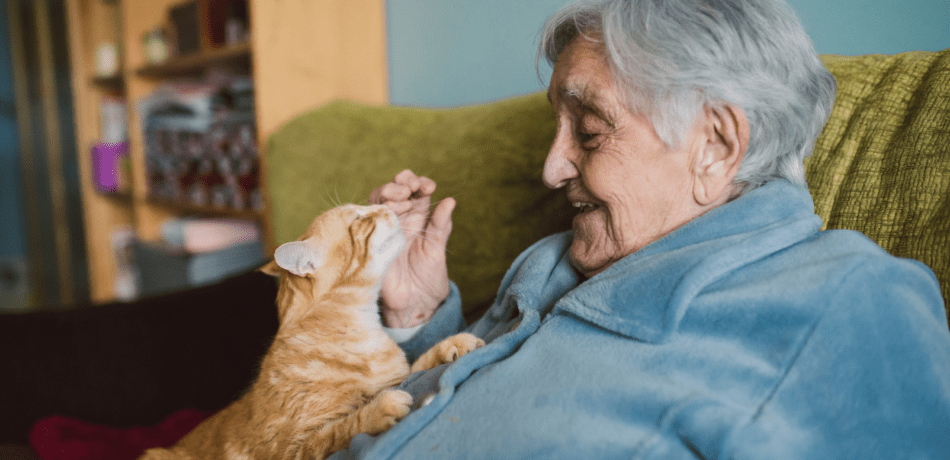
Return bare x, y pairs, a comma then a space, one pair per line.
586, 139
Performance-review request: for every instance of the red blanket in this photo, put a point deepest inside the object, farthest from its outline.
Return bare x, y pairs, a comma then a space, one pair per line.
65, 438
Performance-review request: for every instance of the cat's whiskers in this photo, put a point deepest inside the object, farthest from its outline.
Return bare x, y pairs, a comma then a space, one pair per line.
329, 199
337, 194
332, 200
427, 235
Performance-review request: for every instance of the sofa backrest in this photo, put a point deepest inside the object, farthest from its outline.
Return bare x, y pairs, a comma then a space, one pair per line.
881, 166
488, 157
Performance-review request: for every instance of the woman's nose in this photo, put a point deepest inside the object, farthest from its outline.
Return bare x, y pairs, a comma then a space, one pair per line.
559, 166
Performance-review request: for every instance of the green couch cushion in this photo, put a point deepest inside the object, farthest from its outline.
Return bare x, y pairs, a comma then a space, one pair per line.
881, 166
489, 158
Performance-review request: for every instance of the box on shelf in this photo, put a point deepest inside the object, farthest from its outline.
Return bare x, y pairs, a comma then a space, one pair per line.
111, 167
112, 120
201, 146
225, 22
197, 235
163, 268
126, 283
186, 25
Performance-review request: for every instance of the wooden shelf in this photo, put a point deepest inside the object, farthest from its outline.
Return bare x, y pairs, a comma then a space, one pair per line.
192, 64
250, 214
125, 197
113, 83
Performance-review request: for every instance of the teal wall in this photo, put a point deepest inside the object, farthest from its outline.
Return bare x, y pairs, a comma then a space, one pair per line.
456, 52
854, 27
445, 53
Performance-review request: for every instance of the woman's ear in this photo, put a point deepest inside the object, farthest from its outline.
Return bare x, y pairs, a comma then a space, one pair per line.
298, 257
726, 133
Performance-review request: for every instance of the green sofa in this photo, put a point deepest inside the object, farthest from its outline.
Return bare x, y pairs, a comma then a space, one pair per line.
881, 166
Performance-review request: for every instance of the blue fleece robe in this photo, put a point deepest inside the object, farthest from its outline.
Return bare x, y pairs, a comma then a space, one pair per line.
745, 333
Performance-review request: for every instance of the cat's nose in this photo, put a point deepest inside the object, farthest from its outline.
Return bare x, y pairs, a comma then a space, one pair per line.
383, 212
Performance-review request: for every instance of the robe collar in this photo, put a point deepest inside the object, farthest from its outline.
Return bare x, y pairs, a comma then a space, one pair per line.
645, 295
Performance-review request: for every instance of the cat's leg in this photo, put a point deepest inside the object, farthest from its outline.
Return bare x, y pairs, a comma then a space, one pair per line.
447, 351
374, 417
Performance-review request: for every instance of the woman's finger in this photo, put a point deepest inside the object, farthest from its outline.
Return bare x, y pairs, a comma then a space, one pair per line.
440, 224
400, 208
390, 192
409, 179
426, 187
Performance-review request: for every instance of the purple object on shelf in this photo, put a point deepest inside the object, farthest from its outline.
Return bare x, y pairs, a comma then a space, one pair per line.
106, 160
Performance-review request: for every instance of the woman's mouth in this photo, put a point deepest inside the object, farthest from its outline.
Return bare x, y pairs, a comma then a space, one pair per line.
583, 207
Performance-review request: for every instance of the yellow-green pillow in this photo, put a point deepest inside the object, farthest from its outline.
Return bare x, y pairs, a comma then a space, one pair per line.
488, 157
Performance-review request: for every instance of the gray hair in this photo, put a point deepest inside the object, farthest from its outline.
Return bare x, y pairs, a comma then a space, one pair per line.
672, 58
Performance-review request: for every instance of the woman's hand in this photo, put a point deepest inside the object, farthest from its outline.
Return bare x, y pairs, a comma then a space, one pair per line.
418, 280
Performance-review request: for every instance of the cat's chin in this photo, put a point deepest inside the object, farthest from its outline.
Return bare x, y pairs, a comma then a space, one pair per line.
393, 242
387, 250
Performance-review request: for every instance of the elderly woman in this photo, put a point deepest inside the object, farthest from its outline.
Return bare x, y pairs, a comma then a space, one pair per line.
695, 309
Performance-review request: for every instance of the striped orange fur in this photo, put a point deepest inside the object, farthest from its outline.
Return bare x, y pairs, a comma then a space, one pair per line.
329, 372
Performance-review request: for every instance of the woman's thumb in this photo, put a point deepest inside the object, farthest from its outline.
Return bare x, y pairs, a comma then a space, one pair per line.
440, 225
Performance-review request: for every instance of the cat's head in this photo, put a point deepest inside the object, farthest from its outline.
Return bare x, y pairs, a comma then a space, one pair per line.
348, 244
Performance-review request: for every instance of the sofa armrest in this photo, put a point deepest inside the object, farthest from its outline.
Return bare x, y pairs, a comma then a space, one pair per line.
128, 364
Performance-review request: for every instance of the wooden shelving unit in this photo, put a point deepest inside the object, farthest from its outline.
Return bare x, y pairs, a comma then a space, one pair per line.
114, 83
186, 208
120, 197
238, 55
301, 54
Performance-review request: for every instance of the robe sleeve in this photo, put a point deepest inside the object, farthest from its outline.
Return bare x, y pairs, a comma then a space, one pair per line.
448, 320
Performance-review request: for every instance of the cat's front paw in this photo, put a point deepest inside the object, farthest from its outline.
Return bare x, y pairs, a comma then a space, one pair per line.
457, 346
389, 407
448, 351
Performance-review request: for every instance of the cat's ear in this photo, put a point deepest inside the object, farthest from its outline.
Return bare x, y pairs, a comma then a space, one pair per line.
298, 258
270, 268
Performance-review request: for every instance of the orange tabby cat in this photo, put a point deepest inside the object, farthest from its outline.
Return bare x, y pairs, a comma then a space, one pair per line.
328, 374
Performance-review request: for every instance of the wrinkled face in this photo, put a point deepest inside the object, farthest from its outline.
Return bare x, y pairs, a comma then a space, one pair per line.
629, 188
